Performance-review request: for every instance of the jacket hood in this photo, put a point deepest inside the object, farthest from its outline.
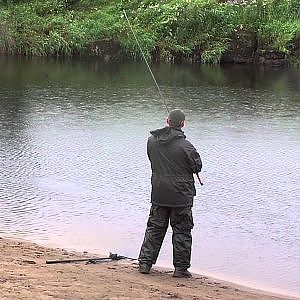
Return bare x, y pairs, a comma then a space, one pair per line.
167, 134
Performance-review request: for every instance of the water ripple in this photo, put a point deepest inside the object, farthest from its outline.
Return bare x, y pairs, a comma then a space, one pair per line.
74, 171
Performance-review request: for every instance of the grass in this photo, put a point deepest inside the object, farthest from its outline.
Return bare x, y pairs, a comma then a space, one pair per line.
170, 27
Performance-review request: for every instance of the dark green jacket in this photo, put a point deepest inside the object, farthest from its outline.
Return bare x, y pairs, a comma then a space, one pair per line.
173, 162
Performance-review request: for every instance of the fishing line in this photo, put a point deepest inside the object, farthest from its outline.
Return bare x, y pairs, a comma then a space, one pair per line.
143, 55
158, 88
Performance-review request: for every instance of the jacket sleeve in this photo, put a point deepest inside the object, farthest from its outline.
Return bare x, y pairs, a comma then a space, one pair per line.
149, 146
193, 158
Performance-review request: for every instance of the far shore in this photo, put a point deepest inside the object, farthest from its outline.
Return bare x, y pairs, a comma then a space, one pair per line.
24, 274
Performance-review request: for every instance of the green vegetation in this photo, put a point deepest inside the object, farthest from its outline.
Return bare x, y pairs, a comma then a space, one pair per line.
171, 28
276, 23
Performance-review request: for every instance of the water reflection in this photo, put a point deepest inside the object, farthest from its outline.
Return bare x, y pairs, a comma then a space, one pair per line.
90, 72
74, 171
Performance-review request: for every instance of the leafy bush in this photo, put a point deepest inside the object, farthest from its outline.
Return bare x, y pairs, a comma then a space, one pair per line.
275, 22
172, 27
183, 26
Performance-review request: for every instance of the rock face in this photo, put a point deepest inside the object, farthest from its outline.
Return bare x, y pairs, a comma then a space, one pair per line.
242, 49
271, 58
295, 52
108, 51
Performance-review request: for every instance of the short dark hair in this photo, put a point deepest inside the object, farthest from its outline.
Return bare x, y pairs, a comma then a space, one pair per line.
176, 116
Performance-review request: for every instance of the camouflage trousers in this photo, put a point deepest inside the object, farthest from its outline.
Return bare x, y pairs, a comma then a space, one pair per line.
181, 221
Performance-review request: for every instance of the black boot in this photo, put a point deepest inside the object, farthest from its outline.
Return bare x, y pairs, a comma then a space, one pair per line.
182, 273
144, 268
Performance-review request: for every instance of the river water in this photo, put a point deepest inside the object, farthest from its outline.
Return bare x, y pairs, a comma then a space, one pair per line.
74, 171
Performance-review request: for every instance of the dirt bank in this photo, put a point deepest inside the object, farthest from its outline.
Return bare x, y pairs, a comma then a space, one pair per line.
25, 275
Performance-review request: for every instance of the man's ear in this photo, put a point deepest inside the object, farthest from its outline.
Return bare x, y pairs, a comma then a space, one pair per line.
168, 122
182, 123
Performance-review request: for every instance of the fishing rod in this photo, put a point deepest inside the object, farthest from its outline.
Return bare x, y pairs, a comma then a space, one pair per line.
200, 180
153, 77
90, 260
144, 57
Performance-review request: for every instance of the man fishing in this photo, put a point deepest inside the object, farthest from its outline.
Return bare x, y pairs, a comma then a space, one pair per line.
174, 160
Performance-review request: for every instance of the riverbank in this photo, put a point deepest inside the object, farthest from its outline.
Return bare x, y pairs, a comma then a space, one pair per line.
259, 32
25, 275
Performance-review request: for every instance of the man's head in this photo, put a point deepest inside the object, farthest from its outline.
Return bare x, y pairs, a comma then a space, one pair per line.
176, 118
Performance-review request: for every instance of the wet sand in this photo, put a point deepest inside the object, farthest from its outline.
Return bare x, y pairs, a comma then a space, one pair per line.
24, 274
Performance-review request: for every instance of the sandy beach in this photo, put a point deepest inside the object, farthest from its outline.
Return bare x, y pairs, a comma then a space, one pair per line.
24, 274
